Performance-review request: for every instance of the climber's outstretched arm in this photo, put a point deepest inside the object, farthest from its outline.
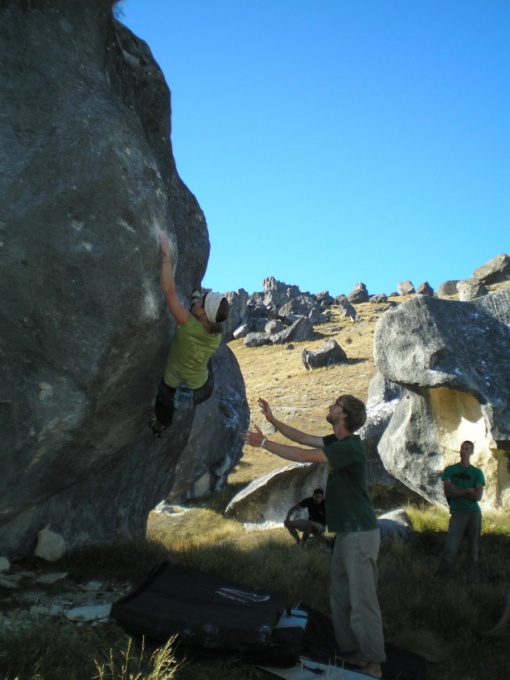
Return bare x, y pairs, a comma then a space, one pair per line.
167, 282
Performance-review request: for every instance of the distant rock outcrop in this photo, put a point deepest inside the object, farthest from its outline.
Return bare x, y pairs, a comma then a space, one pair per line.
358, 294
87, 179
300, 330
496, 270
425, 289
451, 361
283, 306
347, 309
469, 289
328, 355
448, 288
406, 288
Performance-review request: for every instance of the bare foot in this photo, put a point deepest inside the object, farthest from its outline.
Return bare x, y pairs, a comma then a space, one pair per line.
373, 670
354, 659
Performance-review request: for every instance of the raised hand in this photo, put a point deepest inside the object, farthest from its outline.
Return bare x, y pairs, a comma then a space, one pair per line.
265, 409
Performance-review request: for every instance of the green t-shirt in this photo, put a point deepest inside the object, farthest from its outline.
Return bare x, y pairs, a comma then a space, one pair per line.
463, 478
348, 507
191, 349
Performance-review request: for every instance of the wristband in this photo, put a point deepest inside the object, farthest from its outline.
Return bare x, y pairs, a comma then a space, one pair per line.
263, 442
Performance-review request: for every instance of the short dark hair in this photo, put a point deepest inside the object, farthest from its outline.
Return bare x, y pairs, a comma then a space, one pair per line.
356, 411
318, 491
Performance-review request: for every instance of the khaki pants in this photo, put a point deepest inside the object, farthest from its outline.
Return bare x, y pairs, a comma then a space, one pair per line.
462, 524
354, 605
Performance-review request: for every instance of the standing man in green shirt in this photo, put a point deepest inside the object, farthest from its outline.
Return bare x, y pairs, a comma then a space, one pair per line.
353, 592
463, 487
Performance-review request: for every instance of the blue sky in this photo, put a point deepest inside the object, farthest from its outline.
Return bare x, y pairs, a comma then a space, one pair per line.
330, 142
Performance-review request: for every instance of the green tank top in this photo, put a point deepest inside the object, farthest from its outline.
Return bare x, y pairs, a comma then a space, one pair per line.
191, 349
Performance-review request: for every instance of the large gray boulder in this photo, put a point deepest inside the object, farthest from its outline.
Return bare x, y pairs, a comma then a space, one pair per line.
278, 293
328, 355
469, 289
406, 288
324, 299
345, 308
358, 294
269, 498
448, 288
383, 399
452, 361
214, 446
301, 305
496, 270
300, 330
87, 179
238, 301
425, 289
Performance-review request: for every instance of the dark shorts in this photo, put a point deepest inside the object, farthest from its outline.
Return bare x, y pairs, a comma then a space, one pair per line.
164, 404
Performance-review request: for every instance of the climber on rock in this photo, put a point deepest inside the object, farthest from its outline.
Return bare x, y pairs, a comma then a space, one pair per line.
188, 379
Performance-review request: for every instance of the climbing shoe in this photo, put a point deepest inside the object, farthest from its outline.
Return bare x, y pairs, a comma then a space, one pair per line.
156, 427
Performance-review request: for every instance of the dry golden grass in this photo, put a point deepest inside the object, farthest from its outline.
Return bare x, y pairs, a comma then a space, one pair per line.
300, 397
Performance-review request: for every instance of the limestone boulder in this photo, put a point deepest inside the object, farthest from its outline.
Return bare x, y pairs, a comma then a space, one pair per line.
451, 360
50, 545
273, 327
87, 181
425, 289
406, 288
383, 398
278, 293
300, 305
448, 288
301, 329
358, 294
317, 317
395, 526
257, 339
238, 301
346, 309
269, 498
469, 289
324, 299
328, 355
214, 446
496, 270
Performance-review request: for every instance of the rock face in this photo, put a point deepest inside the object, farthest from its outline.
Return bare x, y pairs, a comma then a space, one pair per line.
451, 360
87, 179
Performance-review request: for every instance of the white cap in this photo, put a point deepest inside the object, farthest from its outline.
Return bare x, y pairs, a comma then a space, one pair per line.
211, 305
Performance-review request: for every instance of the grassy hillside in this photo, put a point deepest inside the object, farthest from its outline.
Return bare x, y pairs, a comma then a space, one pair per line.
298, 396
